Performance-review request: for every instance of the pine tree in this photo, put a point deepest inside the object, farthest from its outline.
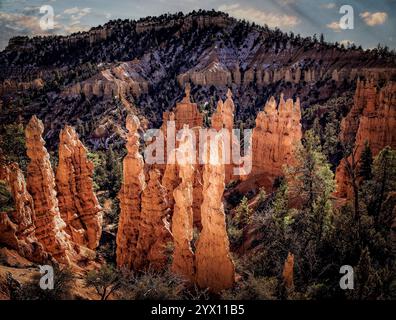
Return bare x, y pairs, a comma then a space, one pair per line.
366, 161
243, 212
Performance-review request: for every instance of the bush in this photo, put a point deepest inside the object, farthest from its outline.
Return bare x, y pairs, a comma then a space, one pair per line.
63, 283
253, 288
151, 285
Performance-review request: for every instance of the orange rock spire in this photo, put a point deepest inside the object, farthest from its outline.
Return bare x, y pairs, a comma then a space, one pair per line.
78, 204
50, 228
132, 187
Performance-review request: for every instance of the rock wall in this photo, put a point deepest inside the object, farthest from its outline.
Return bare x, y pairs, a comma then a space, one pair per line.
214, 267
372, 119
78, 204
17, 228
117, 81
50, 228
277, 133
132, 187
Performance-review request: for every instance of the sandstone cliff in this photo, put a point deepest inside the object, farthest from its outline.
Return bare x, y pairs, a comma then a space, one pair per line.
117, 81
78, 204
372, 119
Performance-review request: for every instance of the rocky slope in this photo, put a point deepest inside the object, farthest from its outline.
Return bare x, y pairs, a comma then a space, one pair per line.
90, 79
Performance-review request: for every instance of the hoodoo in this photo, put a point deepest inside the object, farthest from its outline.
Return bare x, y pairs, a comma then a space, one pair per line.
182, 219
50, 228
214, 266
78, 204
17, 228
132, 187
154, 228
277, 132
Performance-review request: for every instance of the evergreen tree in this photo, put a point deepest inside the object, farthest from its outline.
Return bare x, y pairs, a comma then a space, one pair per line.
366, 161
312, 182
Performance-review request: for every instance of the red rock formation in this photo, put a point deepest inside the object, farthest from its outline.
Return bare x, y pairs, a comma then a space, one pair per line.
185, 113
182, 219
275, 137
78, 204
50, 228
17, 228
117, 81
288, 271
372, 119
154, 228
214, 267
223, 118
132, 186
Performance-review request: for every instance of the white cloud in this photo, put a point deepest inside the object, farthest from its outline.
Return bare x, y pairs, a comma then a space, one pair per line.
335, 26
259, 16
330, 5
374, 18
287, 2
73, 10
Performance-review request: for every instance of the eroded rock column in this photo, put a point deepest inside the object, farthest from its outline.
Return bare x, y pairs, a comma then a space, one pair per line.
132, 186
78, 204
17, 228
50, 228
214, 267
154, 227
182, 219
275, 137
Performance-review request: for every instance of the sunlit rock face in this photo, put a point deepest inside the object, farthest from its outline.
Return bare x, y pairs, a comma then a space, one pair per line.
17, 227
132, 187
50, 228
154, 232
214, 267
372, 119
223, 119
182, 219
185, 113
78, 204
275, 137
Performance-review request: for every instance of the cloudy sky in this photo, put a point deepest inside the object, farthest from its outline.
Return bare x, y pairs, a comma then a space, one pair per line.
374, 21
